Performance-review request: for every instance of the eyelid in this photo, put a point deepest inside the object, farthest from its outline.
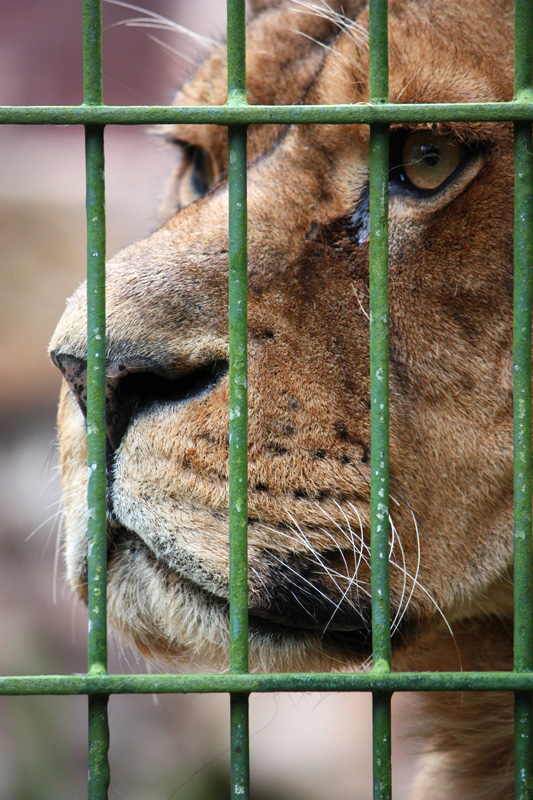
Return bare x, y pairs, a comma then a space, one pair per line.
472, 136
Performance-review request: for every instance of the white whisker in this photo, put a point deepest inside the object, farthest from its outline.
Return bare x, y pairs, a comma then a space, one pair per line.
152, 19
322, 44
395, 624
180, 56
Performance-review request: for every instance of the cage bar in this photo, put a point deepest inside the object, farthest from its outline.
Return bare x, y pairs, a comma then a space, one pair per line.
212, 683
238, 400
519, 109
522, 319
379, 399
99, 774
236, 114
96, 459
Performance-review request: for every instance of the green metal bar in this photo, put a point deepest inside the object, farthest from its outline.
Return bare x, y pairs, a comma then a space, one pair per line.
378, 41
379, 393
99, 773
238, 331
240, 746
238, 411
516, 110
236, 51
92, 52
275, 682
238, 401
96, 435
96, 455
379, 390
522, 320
381, 745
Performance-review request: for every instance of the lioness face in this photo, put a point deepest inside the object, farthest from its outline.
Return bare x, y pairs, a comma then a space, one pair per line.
309, 472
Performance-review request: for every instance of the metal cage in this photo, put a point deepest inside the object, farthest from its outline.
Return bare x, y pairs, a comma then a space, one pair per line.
97, 684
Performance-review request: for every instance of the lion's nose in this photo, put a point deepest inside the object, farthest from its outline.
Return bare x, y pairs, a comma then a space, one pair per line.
132, 385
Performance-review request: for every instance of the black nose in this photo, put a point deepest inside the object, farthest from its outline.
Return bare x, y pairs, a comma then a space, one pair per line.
132, 385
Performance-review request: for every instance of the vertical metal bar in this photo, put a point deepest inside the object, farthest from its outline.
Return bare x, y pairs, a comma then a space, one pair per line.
236, 51
379, 389
96, 438
238, 456
522, 319
238, 401
92, 52
96, 455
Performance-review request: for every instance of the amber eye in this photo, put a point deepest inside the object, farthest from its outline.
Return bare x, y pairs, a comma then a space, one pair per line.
198, 175
203, 171
428, 160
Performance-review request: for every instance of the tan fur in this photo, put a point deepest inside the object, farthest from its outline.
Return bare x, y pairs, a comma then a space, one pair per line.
450, 380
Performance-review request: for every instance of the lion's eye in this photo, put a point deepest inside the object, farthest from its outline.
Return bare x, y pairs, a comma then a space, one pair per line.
427, 160
198, 175
203, 171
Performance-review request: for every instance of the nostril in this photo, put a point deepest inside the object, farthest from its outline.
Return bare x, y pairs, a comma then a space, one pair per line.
74, 371
133, 386
132, 389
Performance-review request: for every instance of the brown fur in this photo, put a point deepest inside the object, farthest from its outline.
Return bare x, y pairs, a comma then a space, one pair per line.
450, 380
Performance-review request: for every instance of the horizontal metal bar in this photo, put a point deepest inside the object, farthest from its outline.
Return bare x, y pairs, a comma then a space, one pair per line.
278, 682
516, 110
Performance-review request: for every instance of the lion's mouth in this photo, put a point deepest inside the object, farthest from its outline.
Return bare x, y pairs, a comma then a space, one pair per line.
296, 610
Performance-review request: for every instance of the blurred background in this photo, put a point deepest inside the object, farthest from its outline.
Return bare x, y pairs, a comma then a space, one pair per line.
303, 746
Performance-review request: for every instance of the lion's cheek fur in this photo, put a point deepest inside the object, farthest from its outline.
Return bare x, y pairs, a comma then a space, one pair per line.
74, 475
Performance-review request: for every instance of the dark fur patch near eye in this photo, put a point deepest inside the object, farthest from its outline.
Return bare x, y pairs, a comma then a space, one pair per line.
345, 460
278, 449
311, 231
261, 487
320, 454
341, 431
207, 437
299, 494
264, 334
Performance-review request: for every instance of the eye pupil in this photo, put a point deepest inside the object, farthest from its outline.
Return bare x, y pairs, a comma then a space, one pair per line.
431, 156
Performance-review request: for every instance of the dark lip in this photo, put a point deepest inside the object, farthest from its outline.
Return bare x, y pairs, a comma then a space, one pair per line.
355, 645
270, 623
346, 638
296, 600
258, 624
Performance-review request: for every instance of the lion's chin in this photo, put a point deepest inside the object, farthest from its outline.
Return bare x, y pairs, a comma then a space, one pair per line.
180, 626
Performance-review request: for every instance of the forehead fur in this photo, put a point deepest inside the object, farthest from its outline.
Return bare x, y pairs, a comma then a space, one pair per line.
299, 51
